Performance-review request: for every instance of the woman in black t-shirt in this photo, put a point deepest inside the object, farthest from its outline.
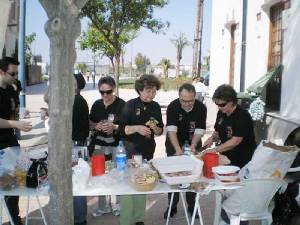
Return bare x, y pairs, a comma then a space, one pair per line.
233, 128
104, 122
140, 121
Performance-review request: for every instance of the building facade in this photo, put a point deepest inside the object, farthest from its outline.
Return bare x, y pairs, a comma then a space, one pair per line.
271, 39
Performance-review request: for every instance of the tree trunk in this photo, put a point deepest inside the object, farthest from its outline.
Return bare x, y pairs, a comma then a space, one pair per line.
117, 73
177, 67
197, 38
62, 28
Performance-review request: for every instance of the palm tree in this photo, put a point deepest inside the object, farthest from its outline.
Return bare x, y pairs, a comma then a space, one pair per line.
165, 64
179, 42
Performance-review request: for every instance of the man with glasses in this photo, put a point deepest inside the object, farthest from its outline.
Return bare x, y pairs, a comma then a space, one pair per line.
8, 69
233, 135
186, 122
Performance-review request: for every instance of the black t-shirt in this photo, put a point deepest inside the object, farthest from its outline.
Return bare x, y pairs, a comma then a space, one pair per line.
137, 112
80, 119
186, 122
237, 124
7, 112
100, 112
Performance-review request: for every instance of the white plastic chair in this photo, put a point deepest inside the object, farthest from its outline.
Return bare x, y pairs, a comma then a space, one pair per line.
256, 197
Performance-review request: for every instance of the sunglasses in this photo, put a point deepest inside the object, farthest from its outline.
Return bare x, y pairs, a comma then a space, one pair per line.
12, 74
108, 92
221, 104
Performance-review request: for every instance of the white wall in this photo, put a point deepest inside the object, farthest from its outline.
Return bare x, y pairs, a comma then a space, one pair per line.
290, 103
5, 9
222, 13
257, 47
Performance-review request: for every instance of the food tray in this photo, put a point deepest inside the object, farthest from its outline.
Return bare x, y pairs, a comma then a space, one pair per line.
175, 164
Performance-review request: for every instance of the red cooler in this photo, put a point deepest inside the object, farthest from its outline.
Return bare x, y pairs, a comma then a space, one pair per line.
98, 165
210, 160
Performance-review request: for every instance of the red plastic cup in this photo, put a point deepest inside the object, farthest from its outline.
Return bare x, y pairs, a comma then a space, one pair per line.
210, 160
98, 165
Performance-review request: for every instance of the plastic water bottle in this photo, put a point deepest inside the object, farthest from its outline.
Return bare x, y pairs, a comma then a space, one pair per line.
121, 158
186, 148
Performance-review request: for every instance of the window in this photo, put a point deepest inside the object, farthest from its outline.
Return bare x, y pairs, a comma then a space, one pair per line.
275, 55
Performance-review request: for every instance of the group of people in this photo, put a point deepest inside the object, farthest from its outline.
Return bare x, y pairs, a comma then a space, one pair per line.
137, 122
112, 119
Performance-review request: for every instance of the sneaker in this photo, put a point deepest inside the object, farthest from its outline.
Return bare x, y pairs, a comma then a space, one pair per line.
172, 213
116, 212
100, 212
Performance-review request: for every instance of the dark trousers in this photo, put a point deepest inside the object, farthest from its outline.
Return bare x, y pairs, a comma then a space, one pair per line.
190, 199
80, 209
12, 203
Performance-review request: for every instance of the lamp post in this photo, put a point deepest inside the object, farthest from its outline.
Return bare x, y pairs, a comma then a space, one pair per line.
21, 51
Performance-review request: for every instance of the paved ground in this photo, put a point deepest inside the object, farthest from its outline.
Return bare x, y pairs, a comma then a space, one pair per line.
156, 204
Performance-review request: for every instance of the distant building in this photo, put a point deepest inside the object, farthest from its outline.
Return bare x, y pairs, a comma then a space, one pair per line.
9, 27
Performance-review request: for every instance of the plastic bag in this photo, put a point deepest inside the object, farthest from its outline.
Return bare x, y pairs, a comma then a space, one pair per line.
37, 172
269, 161
80, 176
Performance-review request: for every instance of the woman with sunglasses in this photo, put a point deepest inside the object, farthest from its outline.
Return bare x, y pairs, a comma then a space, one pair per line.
141, 120
104, 121
234, 134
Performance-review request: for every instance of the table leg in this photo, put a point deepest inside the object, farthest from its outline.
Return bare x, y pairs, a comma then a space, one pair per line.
199, 212
170, 207
3, 205
196, 206
184, 207
42, 212
1, 208
218, 203
27, 210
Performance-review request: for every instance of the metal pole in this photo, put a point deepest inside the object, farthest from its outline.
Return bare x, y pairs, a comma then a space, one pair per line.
243, 51
200, 38
21, 51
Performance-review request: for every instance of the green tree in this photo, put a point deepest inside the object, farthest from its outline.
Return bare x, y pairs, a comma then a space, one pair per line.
141, 63
179, 42
113, 18
29, 39
165, 64
82, 67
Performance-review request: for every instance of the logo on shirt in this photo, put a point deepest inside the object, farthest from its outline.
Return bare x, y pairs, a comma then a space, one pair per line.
138, 112
192, 126
220, 121
180, 117
229, 131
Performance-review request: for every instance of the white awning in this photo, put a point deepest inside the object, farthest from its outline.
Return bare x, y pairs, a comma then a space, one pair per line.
5, 9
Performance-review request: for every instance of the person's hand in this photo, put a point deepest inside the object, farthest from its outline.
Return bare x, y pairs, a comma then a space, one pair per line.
143, 130
193, 148
208, 143
23, 126
99, 126
179, 152
108, 127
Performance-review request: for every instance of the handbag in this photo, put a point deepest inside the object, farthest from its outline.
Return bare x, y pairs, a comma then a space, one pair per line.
37, 171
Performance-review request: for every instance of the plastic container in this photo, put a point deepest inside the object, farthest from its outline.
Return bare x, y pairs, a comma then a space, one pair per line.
121, 158
98, 165
210, 160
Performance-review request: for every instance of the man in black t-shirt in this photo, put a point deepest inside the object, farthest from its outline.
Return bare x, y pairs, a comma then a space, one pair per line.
186, 122
8, 69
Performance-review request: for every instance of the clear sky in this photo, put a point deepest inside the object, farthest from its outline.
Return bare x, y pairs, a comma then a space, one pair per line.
180, 13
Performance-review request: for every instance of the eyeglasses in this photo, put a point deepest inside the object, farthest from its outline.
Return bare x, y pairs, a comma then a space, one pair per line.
108, 92
221, 104
12, 74
187, 101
